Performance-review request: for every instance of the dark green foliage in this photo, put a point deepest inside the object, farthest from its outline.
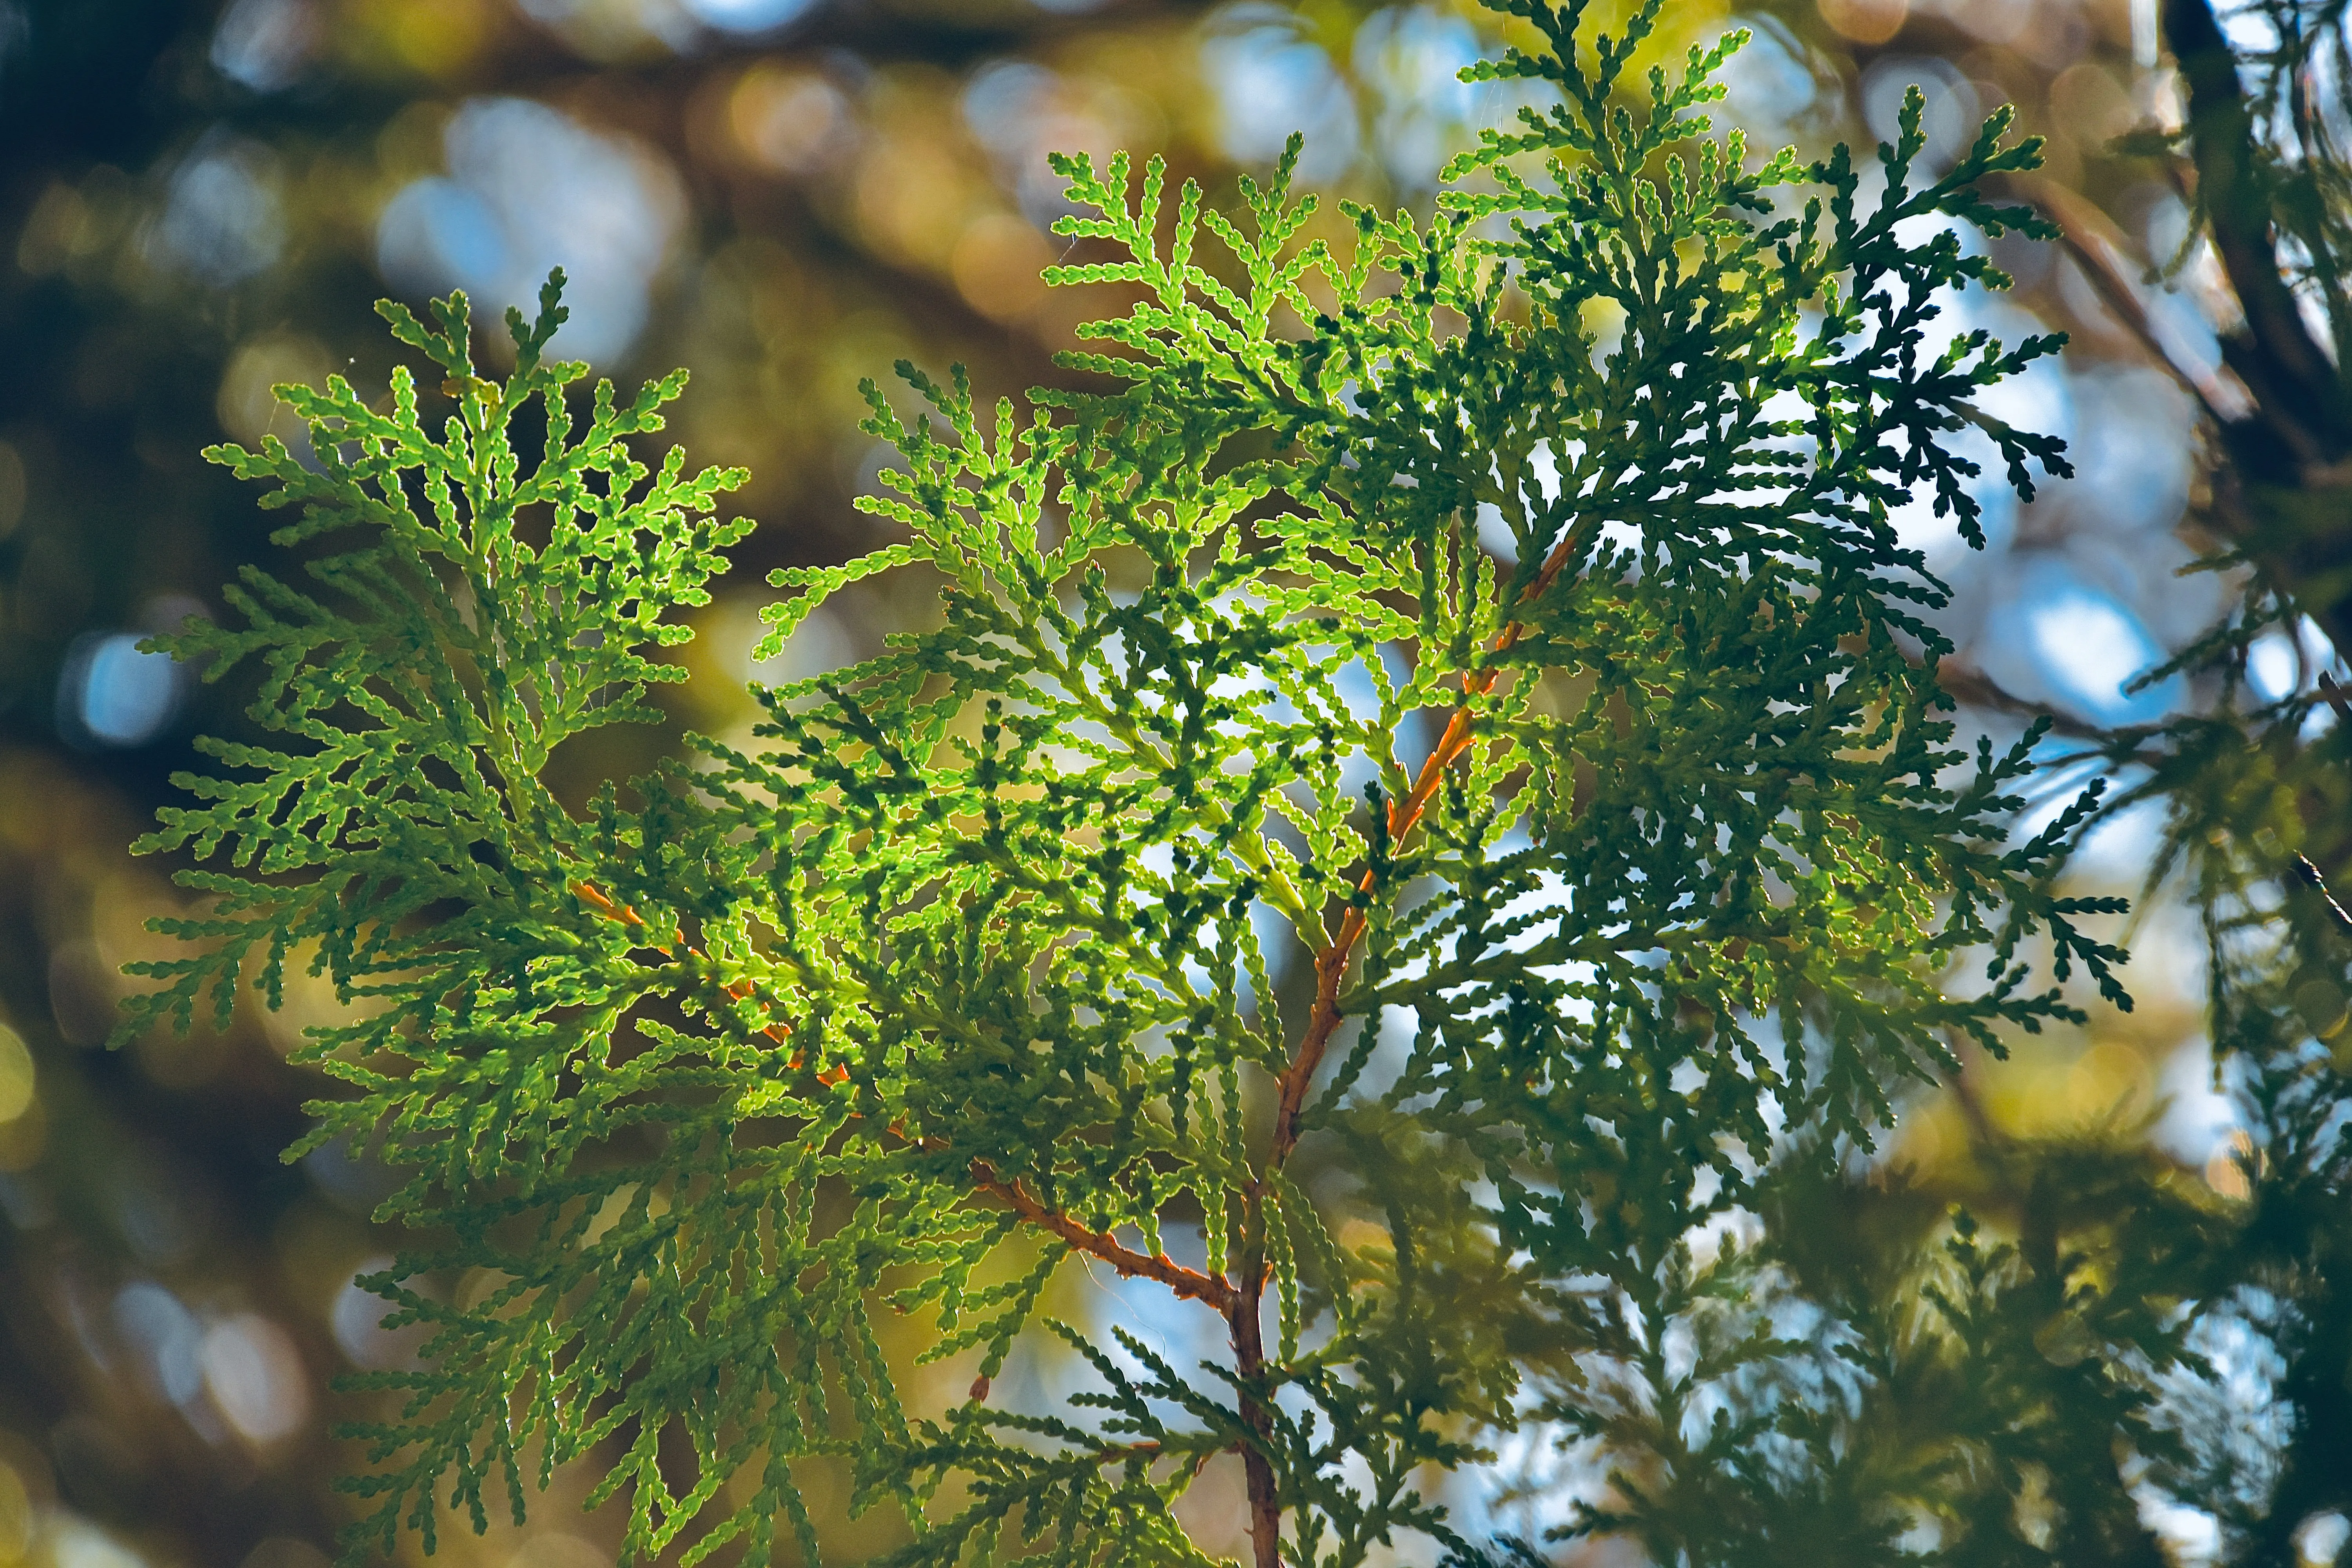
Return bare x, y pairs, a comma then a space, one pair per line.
1622, 876
2254, 796
2254, 793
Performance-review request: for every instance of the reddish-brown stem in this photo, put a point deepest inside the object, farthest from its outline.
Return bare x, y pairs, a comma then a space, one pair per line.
1184, 1281
1245, 1313
1121, 1452
626, 915
1243, 1317
2336, 698
1404, 815
1322, 1022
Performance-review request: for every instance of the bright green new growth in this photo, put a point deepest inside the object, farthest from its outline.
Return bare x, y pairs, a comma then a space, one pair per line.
1653, 830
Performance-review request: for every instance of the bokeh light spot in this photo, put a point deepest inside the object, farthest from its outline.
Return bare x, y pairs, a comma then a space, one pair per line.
2094, 645
17, 1516
911, 197
2093, 106
745, 15
353, 1184
2225, 1168
438, 37
2136, 475
1775, 82
112, 694
440, 225
1022, 112
997, 264
255, 1377
1865, 21
16, 1076
2053, 637
357, 1321
75, 1544
2104, 1080
165, 1335
792, 121
264, 44
1267, 83
2320, 1538
23, 1141
1413, 57
221, 219
247, 401
163, 1215
1948, 118
1991, 21
2271, 667
530, 188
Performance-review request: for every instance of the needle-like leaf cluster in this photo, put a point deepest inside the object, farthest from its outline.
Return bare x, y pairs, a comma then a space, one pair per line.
1449, 743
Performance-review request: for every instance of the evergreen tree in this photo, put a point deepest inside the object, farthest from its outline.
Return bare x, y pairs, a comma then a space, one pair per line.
2253, 789
1426, 828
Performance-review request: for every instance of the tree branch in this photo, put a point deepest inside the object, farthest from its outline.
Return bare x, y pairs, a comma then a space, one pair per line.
2104, 256
1244, 1318
1200, 1286
1184, 1281
1404, 815
2289, 373
2286, 494
1245, 1312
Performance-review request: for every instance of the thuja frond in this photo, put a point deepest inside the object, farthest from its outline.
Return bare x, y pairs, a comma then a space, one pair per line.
1394, 733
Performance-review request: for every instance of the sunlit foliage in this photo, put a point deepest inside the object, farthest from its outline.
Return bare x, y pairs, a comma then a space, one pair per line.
1571, 698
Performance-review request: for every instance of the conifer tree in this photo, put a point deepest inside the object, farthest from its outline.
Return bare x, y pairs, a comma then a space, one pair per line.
2253, 788
1448, 754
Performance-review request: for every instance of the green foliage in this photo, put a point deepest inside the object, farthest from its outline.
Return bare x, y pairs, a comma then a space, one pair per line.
1246, 848
2252, 794
2252, 789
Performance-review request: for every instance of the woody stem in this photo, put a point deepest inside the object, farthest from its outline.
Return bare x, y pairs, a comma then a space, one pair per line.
1244, 1314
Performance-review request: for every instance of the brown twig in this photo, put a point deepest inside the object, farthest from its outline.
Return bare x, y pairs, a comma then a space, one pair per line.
2311, 877
1404, 815
2290, 456
1183, 1281
1242, 1305
1248, 1332
1218, 1293
1978, 689
1119, 1453
2105, 258
1244, 1314
2336, 699
741, 990
2301, 400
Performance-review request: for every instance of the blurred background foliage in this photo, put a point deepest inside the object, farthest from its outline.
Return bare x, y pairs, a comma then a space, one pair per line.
198, 201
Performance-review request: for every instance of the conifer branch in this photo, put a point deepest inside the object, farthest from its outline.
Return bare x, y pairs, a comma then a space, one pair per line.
1186, 1282
1129, 1263
737, 991
1019, 865
1324, 1018
1244, 1311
